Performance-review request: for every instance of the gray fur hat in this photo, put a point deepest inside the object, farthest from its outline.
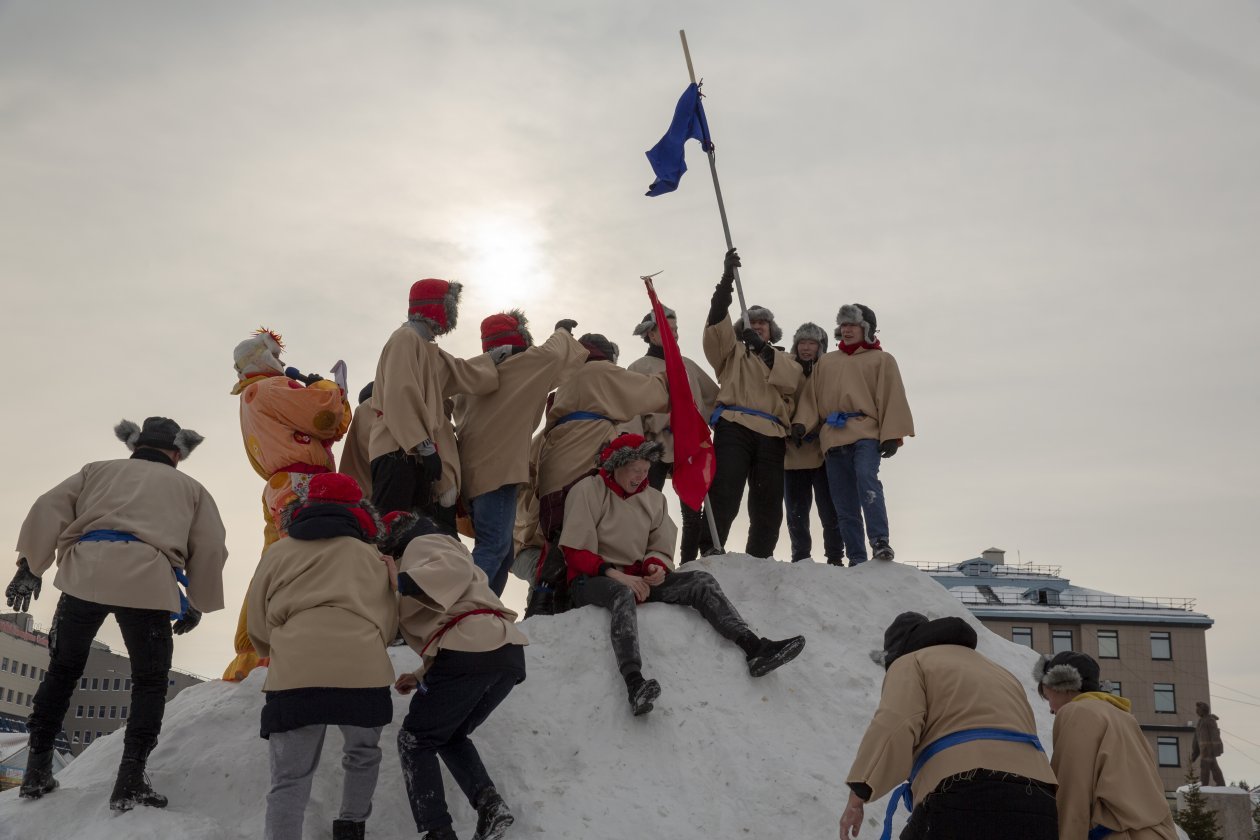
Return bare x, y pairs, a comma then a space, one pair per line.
856, 313
649, 322
158, 433
1067, 671
760, 313
600, 348
809, 331
629, 447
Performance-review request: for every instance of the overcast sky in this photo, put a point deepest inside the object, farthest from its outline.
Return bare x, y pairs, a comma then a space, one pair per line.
1051, 206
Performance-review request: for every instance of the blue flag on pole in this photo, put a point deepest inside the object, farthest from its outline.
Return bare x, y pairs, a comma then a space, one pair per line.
666, 156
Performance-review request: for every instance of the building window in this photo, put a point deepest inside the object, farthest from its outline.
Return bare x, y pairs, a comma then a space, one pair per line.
83, 683
1022, 636
24, 669
95, 683
113, 711
87, 737
1161, 646
75, 738
91, 711
10, 695
5, 665
30, 700
1116, 688
1169, 752
100, 711
78, 712
117, 683
127, 684
1165, 697
99, 733
42, 674
1060, 640
122, 713
1108, 644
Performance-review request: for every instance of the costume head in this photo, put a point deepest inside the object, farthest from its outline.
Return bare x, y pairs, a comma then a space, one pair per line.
599, 348
760, 313
645, 327
507, 328
856, 313
158, 433
809, 331
628, 447
331, 495
1067, 671
259, 354
434, 303
912, 631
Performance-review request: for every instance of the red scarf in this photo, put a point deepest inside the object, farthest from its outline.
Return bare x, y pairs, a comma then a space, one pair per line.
617, 488
850, 349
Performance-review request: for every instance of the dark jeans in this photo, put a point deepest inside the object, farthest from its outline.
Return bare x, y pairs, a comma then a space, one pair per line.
985, 805
494, 517
745, 457
696, 589
147, 635
800, 489
692, 521
438, 724
857, 493
398, 484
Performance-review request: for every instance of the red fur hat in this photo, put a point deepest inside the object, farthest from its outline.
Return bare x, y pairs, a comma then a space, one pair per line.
435, 302
510, 328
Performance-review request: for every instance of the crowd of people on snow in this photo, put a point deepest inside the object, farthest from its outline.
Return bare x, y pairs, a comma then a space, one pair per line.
359, 555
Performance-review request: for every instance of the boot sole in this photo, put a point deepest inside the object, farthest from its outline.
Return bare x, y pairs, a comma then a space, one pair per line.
783, 657
497, 828
643, 703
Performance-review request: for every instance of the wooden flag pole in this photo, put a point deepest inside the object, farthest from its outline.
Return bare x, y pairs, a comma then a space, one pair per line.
717, 188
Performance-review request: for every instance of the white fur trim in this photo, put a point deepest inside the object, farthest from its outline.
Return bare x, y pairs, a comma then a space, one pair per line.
1062, 677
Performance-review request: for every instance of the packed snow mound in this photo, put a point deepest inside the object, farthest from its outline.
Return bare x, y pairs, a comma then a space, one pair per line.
722, 754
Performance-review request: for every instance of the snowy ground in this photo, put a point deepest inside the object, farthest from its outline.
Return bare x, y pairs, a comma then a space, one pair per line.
722, 755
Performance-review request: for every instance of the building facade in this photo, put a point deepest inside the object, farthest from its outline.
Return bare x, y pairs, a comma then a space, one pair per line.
1152, 650
101, 702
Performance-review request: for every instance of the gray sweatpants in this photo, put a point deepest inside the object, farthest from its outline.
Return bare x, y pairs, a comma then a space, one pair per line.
294, 757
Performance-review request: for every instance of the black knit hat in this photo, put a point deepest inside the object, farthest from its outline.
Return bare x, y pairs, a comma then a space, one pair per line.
912, 631
1067, 671
158, 433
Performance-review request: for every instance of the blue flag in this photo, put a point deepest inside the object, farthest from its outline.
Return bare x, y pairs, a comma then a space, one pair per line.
666, 156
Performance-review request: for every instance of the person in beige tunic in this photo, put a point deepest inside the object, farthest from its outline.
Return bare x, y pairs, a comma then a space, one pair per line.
472, 656
655, 426
1109, 784
123, 533
856, 403
322, 608
412, 447
355, 461
494, 431
758, 384
618, 541
583, 417
967, 721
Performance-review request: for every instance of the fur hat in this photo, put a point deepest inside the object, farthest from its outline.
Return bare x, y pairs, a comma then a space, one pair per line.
260, 353
436, 303
856, 313
600, 348
809, 331
760, 313
158, 433
334, 489
400, 528
649, 322
1067, 671
628, 447
507, 328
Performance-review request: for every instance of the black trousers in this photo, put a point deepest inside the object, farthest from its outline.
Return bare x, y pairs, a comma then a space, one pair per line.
698, 590
147, 635
398, 484
800, 489
985, 805
745, 457
692, 521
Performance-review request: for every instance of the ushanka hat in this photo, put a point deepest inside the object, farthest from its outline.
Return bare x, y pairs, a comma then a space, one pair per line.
856, 313
436, 303
599, 348
648, 323
509, 328
809, 331
629, 447
1067, 671
760, 313
158, 433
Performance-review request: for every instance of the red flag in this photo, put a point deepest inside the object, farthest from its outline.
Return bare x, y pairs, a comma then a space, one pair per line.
694, 459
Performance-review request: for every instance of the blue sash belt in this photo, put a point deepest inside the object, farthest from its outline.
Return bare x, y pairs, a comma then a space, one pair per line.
902, 793
107, 535
837, 419
1098, 832
717, 414
580, 415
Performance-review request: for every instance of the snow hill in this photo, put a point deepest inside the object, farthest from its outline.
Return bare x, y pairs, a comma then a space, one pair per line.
722, 755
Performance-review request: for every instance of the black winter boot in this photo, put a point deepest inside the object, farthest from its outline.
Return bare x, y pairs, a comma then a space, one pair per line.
641, 693
443, 833
133, 788
493, 816
881, 550
348, 830
38, 779
773, 654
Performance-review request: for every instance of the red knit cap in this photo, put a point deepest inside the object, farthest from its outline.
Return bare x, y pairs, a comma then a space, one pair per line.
505, 328
434, 300
334, 487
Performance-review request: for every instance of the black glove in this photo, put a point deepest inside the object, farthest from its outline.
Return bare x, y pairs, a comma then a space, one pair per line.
312, 378
729, 263
192, 617
888, 448
23, 588
722, 294
751, 340
431, 467
566, 324
798, 434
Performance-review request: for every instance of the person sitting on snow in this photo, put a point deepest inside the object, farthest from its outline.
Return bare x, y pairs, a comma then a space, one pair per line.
618, 541
124, 533
1106, 771
958, 726
472, 656
322, 607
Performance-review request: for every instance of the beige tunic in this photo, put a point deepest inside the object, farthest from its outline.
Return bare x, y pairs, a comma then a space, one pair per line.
807, 456
452, 586
934, 692
323, 611
746, 381
494, 430
621, 531
571, 449
1107, 774
354, 455
869, 382
172, 514
655, 426
413, 379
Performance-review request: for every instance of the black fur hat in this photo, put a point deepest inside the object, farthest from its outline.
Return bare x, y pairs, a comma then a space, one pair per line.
158, 433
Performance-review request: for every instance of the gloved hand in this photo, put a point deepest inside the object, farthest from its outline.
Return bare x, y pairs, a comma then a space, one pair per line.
751, 340
720, 305
192, 617
498, 354
798, 434
888, 448
430, 461
729, 263
23, 588
566, 324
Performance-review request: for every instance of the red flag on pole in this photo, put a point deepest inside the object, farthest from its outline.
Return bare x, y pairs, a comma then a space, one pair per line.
694, 459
